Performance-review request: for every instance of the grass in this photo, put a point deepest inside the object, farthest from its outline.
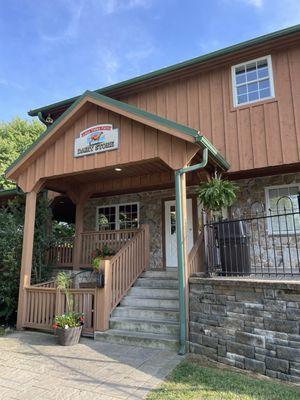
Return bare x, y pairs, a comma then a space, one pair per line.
192, 381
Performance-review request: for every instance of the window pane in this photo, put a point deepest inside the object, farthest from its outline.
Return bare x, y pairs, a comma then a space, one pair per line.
262, 63
242, 89
240, 76
251, 76
242, 99
273, 193
128, 216
263, 73
240, 79
106, 218
265, 93
251, 67
265, 84
252, 87
253, 96
293, 190
283, 200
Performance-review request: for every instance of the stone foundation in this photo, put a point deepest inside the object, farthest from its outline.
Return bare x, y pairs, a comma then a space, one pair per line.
249, 324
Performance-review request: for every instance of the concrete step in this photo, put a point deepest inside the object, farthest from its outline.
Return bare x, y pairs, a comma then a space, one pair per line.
150, 326
138, 339
135, 301
144, 313
157, 283
160, 274
152, 293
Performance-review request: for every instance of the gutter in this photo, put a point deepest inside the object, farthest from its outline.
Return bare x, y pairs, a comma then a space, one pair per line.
180, 248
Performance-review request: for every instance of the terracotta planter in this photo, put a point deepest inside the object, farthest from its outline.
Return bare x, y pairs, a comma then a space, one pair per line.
68, 337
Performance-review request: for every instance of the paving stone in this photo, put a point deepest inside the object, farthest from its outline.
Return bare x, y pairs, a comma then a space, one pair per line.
33, 367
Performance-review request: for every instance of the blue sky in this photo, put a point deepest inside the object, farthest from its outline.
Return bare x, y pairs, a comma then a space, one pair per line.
51, 50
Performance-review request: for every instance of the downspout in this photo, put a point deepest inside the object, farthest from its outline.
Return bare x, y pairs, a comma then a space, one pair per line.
180, 248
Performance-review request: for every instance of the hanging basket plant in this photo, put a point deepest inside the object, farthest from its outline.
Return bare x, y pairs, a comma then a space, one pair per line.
217, 194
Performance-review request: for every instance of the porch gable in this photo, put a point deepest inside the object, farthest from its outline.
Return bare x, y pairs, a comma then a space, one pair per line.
143, 138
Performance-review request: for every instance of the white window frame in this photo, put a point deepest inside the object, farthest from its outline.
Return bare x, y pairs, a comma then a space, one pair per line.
234, 87
117, 207
267, 198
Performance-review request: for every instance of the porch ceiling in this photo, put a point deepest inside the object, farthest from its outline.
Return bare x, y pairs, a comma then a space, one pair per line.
155, 168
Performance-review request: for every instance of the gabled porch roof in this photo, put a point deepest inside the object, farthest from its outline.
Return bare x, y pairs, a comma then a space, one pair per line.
165, 125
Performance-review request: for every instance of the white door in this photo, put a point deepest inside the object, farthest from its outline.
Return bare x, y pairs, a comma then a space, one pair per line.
170, 232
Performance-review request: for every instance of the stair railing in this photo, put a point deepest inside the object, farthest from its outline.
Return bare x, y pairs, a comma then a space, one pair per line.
120, 273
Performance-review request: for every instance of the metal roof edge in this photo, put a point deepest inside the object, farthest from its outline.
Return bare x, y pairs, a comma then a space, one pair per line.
108, 100
178, 66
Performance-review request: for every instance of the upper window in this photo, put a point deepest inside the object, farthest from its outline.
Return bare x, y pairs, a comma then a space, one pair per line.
120, 216
252, 81
283, 208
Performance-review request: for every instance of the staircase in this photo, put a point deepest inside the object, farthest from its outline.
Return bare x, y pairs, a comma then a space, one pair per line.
148, 315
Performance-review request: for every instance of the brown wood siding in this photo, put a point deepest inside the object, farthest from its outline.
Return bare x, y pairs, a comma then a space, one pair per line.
137, 143
259, 135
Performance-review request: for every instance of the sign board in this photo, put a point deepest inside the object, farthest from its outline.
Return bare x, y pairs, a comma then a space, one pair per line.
96, 139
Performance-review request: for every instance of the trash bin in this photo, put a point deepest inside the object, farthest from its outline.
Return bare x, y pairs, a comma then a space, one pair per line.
234, 248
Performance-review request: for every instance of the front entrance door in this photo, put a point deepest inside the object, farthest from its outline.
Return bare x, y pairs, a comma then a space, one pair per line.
170, 232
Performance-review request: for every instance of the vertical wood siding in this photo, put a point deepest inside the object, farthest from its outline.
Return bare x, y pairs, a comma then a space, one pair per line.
254, 136
137, 143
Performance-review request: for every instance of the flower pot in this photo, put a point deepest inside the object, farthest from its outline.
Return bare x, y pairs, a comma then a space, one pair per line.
68, 337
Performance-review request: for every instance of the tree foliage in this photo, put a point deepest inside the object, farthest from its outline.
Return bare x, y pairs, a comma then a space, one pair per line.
11, 237
15, 137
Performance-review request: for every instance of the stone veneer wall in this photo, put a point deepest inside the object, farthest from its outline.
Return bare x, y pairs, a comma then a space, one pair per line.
249, 324
150, 211
252, 191
266, 250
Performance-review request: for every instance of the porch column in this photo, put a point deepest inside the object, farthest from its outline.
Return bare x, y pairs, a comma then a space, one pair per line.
181, 220
26, 263
78, 231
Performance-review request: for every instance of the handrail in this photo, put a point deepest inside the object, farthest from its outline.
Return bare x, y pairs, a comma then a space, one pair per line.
47, 284
195, 257
114, 239
120, 273
128, 264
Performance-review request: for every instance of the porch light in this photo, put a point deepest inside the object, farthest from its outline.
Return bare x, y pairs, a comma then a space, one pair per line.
118, 169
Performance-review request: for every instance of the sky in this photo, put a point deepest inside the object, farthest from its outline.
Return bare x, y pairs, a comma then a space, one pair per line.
52, 50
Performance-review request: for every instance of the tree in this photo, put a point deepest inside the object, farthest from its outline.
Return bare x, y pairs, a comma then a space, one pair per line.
15, 137
11, 237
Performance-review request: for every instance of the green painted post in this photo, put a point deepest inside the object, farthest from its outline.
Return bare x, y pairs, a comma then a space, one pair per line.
180, 248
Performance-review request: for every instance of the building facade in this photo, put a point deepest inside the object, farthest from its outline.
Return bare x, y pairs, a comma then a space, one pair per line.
130, 157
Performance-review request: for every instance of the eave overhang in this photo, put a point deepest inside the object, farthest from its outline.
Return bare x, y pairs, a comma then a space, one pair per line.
181, 131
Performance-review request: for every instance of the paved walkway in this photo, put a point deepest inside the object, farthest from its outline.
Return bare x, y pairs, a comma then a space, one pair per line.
32, 367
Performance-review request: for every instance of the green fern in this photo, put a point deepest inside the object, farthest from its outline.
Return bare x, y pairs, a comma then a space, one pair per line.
217, 194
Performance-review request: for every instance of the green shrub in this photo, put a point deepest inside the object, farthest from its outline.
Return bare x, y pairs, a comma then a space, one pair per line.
11, 238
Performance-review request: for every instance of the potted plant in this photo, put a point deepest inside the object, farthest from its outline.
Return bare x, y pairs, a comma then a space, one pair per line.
97, 257
67, 326
217, 194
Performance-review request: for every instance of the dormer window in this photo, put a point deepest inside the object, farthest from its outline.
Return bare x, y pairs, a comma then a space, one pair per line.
252, 81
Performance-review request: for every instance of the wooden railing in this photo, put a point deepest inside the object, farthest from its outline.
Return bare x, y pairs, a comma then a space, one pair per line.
48, 284
196, 257
90, 241
43, 303
128, 264
120, 273
44, 300
61, 253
